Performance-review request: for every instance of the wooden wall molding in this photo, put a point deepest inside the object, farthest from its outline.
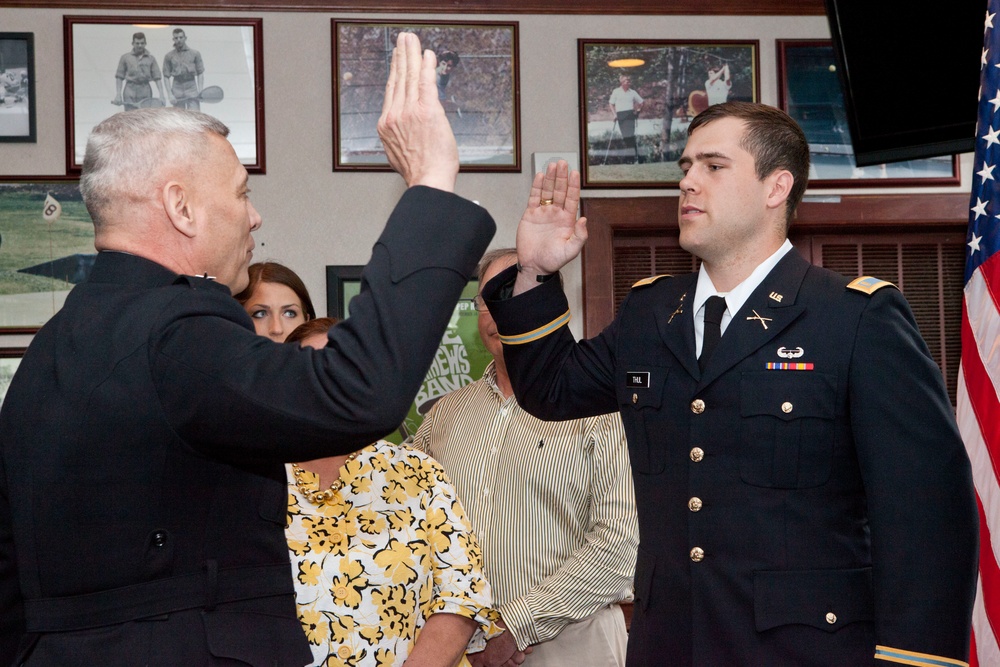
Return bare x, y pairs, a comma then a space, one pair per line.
903, 213
636, 7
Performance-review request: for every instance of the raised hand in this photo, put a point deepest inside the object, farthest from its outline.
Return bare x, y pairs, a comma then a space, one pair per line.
417, 137
549, 235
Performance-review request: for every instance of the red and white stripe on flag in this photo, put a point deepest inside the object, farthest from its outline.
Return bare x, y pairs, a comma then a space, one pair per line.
979, 374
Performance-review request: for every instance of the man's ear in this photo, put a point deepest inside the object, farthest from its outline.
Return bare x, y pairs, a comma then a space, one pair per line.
177, 205
781, 182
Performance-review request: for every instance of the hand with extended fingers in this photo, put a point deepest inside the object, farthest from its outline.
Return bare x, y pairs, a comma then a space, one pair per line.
549, 235
414, 130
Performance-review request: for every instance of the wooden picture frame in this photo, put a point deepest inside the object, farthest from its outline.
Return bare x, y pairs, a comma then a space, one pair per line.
223, 59
17, 87
343, 282
479, 90
48, 246
628, 143
808, 90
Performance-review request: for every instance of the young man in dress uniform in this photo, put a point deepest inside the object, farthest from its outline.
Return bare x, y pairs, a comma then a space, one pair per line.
804, 496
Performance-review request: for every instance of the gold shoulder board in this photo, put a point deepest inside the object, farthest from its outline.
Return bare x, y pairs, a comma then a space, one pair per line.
868, 284
650, 280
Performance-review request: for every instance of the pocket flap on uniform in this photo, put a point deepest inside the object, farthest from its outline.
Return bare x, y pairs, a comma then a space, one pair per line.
788, 395
824, 599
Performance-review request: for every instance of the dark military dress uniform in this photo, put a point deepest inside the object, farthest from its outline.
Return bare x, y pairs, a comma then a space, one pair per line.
142, 489
806, 500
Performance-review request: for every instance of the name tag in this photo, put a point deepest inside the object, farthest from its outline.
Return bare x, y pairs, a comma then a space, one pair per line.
637, 379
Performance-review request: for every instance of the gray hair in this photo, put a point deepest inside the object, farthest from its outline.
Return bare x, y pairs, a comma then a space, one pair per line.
127, 152
495, 255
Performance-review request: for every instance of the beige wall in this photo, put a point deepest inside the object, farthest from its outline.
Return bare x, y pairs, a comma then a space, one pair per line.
314, 217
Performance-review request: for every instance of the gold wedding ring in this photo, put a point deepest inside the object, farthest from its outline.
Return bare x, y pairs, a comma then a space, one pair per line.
545, 202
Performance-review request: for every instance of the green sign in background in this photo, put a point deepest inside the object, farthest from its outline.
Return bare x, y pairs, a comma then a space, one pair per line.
461, 359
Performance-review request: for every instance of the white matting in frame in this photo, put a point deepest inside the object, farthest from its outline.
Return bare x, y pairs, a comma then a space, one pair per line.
230, 51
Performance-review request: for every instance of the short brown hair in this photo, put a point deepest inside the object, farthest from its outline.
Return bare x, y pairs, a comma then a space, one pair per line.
272, 272
314, 326
773, 139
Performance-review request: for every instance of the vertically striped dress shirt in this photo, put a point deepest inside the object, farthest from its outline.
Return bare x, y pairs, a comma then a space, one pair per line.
552, 503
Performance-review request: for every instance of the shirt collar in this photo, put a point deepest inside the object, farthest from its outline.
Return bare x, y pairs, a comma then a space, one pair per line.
737, 296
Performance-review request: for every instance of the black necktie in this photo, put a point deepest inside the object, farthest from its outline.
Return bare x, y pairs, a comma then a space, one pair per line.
714, 309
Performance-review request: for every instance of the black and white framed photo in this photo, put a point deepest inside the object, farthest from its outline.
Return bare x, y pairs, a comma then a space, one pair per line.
10, 358
810, 92
17, 84
212, 65
477, 81
638, 97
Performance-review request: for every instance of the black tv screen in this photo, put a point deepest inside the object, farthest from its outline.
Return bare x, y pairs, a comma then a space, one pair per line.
910, 76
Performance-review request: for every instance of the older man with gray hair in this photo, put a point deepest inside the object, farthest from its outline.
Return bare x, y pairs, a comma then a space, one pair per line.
142, 492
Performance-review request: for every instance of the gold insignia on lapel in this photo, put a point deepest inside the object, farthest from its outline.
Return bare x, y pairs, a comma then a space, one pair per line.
868, 285
762, 320
777, 297
650, 280
680, 308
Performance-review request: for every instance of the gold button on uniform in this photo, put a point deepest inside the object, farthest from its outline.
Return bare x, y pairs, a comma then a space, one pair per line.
697, 454
697, 554
635, 398
697, 406
340, 593
786, 407
694, 504
344, 652
831, 618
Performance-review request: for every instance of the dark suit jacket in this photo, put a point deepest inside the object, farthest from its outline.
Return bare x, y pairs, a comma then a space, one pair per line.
835, 510
142, 496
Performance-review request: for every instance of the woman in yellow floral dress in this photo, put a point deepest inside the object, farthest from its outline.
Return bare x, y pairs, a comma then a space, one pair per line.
387, 569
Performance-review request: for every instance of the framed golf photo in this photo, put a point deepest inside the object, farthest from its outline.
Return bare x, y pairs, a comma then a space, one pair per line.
477, 83
46, 247
205, 64
638, 97
17, 96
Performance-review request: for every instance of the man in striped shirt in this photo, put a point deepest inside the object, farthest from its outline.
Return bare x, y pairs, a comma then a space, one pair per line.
553, 506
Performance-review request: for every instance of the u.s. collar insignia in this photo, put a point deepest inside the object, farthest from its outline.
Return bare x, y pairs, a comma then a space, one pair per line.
777, 297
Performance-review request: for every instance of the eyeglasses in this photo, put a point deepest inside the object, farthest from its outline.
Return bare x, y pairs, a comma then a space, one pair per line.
477, 303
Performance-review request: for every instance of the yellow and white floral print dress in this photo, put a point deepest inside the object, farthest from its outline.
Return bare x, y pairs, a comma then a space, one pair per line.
372, 563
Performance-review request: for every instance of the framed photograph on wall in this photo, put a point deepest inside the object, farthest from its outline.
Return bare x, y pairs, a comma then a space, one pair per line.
47, 242
477, 80
637, 98
809, 91
10, 358
207, 64
17, 87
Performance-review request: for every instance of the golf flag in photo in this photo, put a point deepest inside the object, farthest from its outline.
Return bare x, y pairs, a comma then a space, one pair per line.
52, 209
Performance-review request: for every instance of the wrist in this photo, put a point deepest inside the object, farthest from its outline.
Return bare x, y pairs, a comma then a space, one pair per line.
539, 277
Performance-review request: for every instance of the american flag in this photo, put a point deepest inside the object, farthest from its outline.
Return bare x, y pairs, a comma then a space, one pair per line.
979, 374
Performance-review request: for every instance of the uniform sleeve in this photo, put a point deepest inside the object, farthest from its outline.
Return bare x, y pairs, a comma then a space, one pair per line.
239, 396
122, 68
554, 377
918, 483
601, 570
12, 625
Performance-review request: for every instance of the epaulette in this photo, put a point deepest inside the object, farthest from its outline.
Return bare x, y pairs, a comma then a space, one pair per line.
650, 280
868, 285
